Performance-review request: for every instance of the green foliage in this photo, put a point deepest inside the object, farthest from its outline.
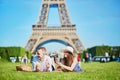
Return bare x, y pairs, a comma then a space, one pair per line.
115, 50
84, 54
100, 50
7, 52
22, 51
2, 53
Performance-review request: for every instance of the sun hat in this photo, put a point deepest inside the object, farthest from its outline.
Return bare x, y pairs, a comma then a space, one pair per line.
68, 48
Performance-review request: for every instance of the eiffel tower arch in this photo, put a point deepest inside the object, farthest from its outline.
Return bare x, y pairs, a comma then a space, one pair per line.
42, 33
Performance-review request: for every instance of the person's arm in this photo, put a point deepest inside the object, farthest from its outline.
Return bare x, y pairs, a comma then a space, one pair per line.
49, 64
67, 67
36, 66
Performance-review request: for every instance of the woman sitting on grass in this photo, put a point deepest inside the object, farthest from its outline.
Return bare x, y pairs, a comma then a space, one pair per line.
69, 62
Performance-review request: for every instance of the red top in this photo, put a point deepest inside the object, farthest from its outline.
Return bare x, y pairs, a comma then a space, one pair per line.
78, 57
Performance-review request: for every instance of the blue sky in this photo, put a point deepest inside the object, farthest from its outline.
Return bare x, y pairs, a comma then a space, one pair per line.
97, 21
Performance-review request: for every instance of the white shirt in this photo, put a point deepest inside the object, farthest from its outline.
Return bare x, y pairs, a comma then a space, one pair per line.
43, 66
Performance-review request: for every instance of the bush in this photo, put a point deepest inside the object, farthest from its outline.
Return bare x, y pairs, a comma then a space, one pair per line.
2, 53
7, 52
100, 50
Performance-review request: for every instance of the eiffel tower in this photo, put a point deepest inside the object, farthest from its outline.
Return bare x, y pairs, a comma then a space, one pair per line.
66, 32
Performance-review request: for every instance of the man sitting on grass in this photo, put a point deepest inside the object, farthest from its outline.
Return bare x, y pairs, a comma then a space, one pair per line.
42, 62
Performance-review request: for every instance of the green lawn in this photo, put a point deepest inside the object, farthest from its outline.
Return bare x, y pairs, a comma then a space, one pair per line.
94, 71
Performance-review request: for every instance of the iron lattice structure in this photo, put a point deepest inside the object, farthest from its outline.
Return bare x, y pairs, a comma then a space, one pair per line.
66, 32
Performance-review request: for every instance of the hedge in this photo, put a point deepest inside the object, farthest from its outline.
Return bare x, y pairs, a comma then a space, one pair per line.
100, 50
7, 52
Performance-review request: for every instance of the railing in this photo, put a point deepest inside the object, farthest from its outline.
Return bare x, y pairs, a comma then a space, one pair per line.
44, 26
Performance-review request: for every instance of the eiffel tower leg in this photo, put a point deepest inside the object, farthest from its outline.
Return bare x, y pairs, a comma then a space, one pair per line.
75, 43
30, 44
78, 45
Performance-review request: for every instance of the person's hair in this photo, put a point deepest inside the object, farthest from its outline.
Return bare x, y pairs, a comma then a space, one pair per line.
43, 48
68, 60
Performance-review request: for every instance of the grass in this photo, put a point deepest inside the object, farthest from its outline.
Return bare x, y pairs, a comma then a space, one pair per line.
94, 71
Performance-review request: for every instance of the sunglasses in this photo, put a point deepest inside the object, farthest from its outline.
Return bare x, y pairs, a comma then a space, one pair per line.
39, 53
